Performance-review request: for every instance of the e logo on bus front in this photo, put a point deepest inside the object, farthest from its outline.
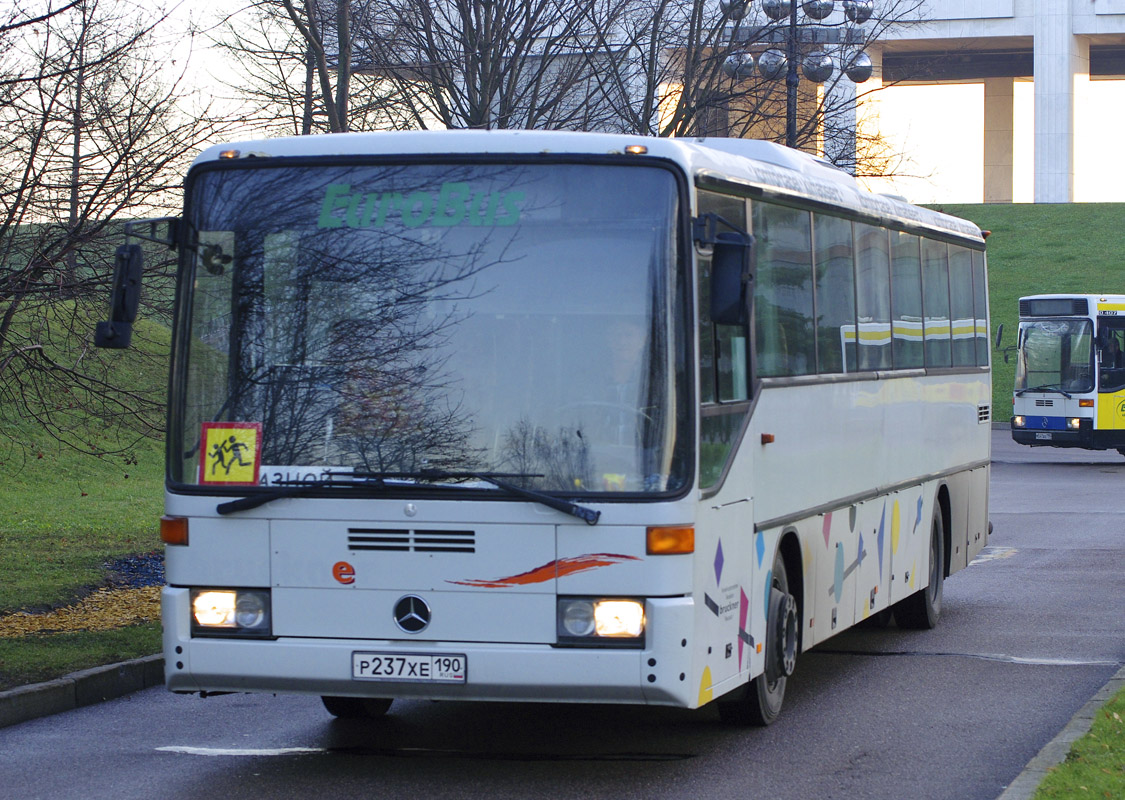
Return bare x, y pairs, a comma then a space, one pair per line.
343, 572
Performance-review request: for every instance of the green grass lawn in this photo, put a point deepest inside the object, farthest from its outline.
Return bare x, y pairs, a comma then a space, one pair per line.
64, 514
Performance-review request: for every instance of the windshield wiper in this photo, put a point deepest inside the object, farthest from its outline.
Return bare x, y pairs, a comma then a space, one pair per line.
304, 488
587, 515
1067, 395
293, 488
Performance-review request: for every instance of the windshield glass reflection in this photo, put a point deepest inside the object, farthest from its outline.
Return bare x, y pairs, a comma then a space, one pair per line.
508, 318
1055, 354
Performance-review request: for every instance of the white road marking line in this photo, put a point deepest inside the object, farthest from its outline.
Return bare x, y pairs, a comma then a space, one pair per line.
991, 553
240, 751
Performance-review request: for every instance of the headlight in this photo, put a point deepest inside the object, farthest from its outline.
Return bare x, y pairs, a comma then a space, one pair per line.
597, 622
230, 612
1018, 421
1074, 423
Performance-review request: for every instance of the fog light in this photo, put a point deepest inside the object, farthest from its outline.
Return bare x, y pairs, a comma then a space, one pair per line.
1018, 421
619, 618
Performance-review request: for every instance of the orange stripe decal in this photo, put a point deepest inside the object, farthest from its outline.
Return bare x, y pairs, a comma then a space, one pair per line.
551, 570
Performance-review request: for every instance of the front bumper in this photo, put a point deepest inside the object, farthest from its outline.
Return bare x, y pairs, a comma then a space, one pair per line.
659, 674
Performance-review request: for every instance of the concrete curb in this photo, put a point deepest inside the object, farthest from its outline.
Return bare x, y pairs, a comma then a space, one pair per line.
79, 689
1055, 751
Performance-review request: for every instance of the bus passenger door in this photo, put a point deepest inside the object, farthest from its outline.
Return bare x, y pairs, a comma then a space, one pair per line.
727, 604
1111, 374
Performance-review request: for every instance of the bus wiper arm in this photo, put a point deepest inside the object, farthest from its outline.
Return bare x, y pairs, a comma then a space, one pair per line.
587, 515
296, 488
1067, 395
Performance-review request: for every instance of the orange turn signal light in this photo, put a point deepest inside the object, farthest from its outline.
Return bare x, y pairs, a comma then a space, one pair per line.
1088, 403
670, 540
174, 530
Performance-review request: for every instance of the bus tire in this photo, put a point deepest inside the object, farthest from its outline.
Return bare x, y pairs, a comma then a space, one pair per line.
356, 707
761, 702
922, 610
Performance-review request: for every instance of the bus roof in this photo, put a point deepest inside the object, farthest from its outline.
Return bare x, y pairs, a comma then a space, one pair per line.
760, 167
1097, 298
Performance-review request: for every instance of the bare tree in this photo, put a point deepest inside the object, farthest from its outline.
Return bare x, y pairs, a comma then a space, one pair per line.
90, 135
653, 67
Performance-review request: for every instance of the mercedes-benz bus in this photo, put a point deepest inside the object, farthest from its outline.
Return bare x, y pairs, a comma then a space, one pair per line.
529, 416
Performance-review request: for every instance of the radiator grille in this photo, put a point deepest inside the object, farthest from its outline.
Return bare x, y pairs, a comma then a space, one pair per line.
984, 414
1044, 403
403, 540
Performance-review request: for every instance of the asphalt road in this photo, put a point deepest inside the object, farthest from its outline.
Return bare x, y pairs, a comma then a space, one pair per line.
1029, 632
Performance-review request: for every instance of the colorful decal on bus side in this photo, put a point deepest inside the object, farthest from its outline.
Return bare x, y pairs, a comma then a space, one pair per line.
553, 569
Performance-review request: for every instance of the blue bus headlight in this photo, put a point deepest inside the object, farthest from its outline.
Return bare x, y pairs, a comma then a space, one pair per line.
1074, 423
1018, 421
230, 612
592, 621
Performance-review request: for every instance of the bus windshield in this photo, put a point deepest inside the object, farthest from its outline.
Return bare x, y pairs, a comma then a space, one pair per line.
1055, 355
412, 318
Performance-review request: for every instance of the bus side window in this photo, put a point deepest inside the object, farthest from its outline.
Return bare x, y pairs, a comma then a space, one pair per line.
835, 295
783, 292
980, 308
1111, 359
935, 302
961, 306
906, 274
873, 296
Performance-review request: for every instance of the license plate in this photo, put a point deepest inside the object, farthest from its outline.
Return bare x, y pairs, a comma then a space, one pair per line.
412, 667
1043, 436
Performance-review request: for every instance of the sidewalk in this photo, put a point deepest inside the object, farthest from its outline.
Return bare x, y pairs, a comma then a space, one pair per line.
80, 689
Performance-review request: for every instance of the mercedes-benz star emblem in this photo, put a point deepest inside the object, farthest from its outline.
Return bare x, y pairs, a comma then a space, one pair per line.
412, 614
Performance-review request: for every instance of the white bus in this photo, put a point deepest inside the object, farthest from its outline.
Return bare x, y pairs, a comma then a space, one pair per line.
535, 416
1070, 372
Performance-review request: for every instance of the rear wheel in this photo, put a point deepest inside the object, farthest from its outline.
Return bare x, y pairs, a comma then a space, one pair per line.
761, 703
922, 610
356, 707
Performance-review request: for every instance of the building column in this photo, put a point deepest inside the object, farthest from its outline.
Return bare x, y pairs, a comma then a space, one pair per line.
999, 143
1062, 66
838, 130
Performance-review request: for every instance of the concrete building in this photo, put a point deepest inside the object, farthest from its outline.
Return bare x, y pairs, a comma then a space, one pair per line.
1059, 45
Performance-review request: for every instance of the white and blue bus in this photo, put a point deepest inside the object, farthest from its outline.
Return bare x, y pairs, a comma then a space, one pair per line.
535, 416
1070, 372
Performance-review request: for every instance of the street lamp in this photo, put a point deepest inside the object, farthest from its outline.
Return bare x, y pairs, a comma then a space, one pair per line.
817, 65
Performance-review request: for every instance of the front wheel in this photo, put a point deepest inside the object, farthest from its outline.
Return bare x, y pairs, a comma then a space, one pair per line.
922, 610
761, 703
356, 707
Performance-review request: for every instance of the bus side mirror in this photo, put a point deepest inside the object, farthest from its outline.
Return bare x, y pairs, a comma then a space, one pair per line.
999, 336
733, 262
124, 299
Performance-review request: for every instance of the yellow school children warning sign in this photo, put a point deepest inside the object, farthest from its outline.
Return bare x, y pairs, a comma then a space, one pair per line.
230, 453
